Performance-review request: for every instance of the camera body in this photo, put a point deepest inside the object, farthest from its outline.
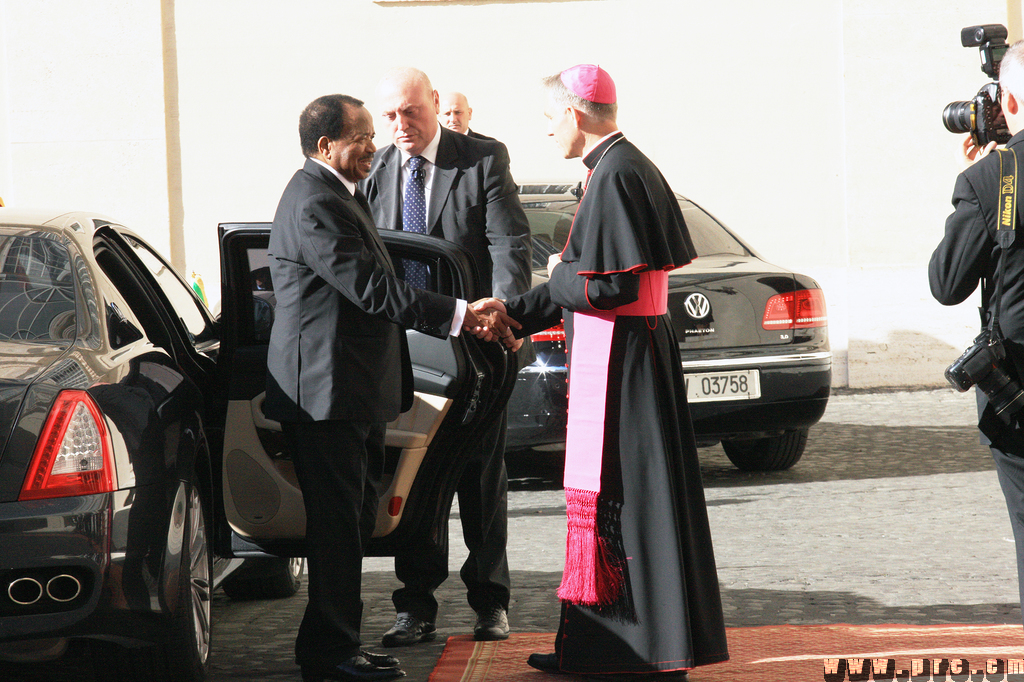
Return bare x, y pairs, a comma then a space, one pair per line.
982, 116
982, 365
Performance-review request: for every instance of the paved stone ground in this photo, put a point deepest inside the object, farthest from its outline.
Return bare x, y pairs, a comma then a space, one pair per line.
893, 515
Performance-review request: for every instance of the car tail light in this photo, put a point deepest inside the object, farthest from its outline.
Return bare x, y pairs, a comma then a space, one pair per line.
73, 455
556, 333
795, 310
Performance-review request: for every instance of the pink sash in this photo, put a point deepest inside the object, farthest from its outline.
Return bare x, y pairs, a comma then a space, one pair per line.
591, 574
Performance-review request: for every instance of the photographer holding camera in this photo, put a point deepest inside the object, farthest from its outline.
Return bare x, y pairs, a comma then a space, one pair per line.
979, 247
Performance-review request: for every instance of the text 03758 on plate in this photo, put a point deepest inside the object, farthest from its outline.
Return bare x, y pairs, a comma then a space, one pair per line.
708, 386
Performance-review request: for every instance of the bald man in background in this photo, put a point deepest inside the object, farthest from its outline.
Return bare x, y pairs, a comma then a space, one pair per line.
456, 115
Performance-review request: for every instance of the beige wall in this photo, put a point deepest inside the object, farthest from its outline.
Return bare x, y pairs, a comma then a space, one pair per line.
82, 122
812, 127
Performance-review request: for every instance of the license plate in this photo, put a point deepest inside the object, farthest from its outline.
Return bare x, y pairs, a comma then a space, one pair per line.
710, 386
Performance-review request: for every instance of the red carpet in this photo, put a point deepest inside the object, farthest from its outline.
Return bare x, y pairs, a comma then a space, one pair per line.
787, 653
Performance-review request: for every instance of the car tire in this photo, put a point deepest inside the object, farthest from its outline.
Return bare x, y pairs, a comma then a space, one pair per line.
187, 650
276, 579
776, 453
184, 654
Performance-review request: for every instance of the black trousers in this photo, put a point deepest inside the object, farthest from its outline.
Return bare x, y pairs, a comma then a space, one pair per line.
483, 508
339, 465
1010, 469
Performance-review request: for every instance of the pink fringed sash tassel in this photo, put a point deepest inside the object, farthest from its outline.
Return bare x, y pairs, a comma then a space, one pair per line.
592, 575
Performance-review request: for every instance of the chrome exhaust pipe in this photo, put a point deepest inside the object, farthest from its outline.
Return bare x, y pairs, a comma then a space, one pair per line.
63, 588
25, 591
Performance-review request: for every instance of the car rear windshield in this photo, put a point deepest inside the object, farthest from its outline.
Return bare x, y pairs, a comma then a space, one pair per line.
550, 223
708, 235
37, 290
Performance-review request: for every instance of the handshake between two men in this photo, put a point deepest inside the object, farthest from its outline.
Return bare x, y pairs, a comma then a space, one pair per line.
487, 320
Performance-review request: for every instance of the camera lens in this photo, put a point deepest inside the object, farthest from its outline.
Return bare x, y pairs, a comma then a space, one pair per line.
957, 116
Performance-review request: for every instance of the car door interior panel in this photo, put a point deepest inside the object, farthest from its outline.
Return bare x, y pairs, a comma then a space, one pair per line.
262, 497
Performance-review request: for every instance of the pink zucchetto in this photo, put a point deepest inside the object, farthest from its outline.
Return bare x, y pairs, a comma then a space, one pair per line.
590, 82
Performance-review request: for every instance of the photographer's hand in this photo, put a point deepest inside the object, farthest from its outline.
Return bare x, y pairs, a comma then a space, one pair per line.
971, 153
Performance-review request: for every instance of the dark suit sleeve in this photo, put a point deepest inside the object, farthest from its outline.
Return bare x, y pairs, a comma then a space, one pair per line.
962, 257
333, 246
508, 230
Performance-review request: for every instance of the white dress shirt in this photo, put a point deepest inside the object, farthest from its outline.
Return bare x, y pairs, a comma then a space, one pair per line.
430, 154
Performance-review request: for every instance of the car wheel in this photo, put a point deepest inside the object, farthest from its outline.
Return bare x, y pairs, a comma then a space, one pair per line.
776, 453
194, 628
271, 579
183, 656
187, 651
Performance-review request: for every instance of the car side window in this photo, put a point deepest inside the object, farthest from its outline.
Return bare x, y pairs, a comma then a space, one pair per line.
549, 230
181, 297
263, 299
142, 310
251, 294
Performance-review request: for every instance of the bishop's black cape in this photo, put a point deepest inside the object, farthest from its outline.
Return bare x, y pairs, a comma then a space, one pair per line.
669, 614
631, 221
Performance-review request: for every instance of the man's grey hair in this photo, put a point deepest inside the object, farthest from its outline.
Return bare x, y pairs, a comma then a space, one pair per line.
563, 95
1011, 70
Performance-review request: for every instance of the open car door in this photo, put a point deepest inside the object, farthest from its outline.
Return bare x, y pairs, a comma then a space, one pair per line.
461, 385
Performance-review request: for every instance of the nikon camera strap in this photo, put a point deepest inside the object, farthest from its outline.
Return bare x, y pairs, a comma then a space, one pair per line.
1005, 233
1007, 197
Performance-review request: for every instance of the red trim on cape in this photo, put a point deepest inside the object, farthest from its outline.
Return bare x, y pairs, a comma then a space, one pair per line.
636, 268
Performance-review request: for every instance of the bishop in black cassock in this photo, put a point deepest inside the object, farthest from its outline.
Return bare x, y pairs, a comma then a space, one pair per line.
640, 593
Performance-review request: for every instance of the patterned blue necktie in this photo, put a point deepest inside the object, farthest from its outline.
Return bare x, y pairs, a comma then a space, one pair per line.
414, 218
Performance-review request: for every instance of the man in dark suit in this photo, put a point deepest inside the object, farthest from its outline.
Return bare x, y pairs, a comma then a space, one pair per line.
970, 254
472, 200
338, 369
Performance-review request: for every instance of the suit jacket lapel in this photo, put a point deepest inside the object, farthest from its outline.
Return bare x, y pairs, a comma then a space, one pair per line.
445, 171
361, 209
371, 230
389, 189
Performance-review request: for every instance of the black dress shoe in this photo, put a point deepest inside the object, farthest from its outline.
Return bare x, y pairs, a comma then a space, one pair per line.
545, 662
491, 625
409, 629
380, 660
355, 669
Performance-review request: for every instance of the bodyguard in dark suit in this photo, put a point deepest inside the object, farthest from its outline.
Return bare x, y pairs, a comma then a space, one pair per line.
339, 370
472, 200
969, 254
455, 112
456, 115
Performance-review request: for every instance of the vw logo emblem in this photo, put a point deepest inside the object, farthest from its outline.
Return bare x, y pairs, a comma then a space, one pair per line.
697, 306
